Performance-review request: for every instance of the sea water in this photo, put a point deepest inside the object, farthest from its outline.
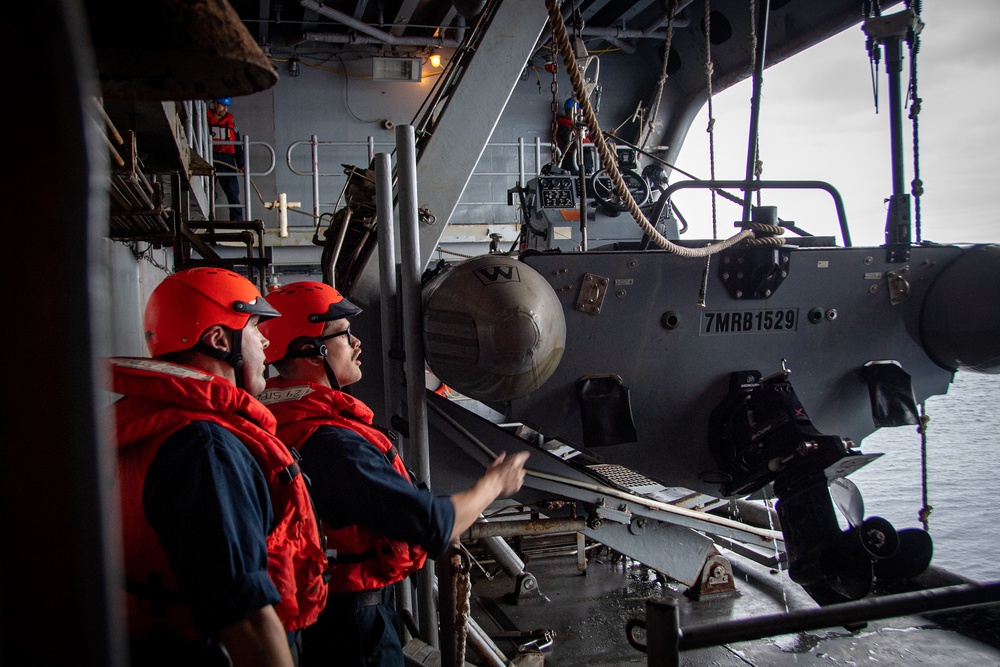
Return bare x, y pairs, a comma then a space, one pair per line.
963, 467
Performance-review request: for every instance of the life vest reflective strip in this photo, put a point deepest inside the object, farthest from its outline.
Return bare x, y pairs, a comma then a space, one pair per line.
162, 398
222, 129
364, 559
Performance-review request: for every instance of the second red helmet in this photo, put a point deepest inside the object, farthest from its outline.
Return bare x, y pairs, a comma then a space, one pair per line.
305, 309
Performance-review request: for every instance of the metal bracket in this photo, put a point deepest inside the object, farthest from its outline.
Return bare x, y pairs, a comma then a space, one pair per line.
526, 586
621, 515
592, 293
899, 285
716, 579
753, 272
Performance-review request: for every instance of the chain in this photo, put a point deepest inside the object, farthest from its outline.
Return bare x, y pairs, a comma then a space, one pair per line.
709, 69
145, 255
916, 185
554, 87
925, 511
650, 121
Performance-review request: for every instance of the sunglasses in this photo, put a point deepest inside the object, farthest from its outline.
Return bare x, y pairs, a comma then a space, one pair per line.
347, 332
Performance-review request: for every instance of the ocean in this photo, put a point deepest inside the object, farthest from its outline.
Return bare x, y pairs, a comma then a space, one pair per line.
963, 463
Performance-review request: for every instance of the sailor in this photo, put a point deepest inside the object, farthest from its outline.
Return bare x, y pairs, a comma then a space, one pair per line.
380, 528
223, 553
567, 127
227, 157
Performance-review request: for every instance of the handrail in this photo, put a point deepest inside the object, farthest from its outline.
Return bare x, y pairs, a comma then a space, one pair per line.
665, 638
754, 185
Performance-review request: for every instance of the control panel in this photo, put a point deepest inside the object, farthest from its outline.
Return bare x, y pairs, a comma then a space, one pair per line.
557, 191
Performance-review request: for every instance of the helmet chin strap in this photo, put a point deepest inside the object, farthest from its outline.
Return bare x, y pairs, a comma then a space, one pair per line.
330, 375
232, 357
319, 350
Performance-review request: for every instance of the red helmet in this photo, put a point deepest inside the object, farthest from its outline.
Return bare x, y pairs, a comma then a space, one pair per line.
305, 309
190, 301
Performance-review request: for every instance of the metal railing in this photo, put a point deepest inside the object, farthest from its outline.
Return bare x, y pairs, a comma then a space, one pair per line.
666, 639
245, 175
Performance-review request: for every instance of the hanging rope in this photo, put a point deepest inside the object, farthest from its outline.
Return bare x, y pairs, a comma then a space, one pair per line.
925, 511
463, 590
758, 165
609, 160
655, 111
709, 70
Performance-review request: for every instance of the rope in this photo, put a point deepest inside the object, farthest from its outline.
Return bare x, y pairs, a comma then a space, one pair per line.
463, 591
655, 111
925, 511
709, 69
610, 160
758, 165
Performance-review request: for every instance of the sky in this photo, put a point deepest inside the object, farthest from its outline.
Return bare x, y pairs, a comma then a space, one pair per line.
818, 122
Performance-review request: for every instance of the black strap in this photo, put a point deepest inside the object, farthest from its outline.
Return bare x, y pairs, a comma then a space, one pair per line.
336, 558
358, 599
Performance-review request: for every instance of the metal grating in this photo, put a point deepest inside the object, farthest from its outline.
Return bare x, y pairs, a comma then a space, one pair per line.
624, 478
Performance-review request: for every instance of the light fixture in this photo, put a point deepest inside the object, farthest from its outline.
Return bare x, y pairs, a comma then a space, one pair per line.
396, 69
293, 66
435, 60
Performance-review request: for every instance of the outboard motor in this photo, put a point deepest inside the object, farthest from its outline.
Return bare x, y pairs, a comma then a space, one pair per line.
762, 435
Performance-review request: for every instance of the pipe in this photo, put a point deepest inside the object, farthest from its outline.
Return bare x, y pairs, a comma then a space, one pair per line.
662, 19
406, 169
481, 529
388, 278
389, 309
869, 609
377, 36
758, 81
337, 38
283, 215
484, 647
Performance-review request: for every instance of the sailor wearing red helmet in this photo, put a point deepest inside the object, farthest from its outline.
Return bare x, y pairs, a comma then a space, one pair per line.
379, 526
223, 555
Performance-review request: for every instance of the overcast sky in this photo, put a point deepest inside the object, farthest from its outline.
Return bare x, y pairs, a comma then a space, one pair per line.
818, 122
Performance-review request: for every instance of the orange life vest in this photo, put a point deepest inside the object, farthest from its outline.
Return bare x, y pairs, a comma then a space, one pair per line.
364, 559
160, 398
222, 129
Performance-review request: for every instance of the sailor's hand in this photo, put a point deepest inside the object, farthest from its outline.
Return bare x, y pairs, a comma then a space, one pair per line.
508, 472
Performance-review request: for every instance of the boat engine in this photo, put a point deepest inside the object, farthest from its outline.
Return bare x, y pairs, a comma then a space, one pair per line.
762, 435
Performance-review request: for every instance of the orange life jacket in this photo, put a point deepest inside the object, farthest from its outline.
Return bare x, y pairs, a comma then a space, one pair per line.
364, 559
161, 398
222, 129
